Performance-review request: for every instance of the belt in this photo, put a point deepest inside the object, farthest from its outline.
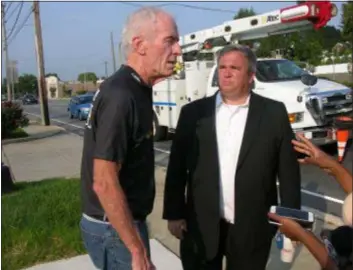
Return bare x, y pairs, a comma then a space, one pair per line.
100, 218
104, 218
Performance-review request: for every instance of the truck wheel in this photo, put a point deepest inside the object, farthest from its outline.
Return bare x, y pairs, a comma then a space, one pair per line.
159, 133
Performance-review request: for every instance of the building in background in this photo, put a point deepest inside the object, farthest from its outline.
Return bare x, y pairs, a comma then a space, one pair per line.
55, 87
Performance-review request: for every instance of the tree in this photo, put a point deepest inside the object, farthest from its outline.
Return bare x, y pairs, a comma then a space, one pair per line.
52, 74
347, 22
88, 77
4, 86
244, 12
27, 83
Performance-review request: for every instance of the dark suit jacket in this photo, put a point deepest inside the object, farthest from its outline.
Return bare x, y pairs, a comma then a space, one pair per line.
193, 169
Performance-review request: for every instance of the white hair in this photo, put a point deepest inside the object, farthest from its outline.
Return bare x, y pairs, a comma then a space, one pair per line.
135, 22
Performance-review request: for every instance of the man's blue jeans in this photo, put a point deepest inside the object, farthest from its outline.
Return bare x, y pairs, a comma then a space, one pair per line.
104, 246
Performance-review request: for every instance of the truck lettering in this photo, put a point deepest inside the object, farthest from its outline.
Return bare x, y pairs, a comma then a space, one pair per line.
272, 18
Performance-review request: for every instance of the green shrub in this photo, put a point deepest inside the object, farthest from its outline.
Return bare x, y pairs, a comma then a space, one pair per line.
348, 84
12, 118
80, 92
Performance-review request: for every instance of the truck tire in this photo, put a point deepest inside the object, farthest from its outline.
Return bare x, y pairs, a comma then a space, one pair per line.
159, 133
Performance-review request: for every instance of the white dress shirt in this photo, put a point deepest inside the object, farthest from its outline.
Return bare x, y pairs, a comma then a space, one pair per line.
230, 125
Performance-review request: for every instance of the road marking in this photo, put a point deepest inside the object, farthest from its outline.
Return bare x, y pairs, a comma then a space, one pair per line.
308, 192
318, 195
56, 120
328, 198
76, 126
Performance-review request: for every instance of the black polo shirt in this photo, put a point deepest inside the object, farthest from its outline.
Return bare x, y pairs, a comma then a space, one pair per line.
119, 129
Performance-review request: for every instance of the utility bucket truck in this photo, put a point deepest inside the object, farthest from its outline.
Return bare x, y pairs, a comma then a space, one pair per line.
312, 104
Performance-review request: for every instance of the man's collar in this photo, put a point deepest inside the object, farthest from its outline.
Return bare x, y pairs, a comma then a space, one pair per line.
219, 100
135, 75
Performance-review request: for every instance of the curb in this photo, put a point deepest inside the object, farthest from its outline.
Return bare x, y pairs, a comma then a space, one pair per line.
34, 137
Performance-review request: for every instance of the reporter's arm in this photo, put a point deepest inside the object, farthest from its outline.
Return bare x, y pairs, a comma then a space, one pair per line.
112, 138
317, 249
317, 157
342, 175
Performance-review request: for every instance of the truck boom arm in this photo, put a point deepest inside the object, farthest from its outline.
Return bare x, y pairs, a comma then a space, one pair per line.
311, 14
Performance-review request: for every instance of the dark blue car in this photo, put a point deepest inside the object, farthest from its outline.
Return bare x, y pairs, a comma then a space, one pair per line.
79, 106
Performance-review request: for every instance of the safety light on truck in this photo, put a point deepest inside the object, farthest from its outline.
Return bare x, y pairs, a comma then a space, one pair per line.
295, 117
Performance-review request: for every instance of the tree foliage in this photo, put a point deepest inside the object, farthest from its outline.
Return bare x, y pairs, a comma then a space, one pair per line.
27, 83
53, 74
306, 46
244, 12
347, 22
88, 77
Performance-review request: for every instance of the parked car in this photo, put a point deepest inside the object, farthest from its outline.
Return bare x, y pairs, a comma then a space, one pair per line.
29, 99
79, 106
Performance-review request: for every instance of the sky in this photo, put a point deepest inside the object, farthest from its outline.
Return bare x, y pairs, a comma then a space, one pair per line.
76, 35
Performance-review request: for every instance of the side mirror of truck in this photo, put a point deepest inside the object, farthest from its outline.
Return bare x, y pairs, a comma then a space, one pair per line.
308, 79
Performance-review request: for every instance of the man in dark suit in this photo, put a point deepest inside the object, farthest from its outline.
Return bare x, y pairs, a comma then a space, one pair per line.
226, 155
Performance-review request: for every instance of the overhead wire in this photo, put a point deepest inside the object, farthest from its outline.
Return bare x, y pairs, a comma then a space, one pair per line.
16, 20
8, 7
181, 5
22, 25
13, 11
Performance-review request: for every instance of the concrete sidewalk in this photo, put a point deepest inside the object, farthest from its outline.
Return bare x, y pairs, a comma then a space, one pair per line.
161, 257
60, 156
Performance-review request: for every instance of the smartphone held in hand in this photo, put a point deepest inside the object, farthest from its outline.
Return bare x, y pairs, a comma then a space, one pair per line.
304, 218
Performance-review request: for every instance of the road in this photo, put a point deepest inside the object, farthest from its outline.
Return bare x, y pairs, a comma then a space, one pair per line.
319, 190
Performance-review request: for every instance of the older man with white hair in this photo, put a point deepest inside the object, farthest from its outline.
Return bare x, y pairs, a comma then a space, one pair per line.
117, 173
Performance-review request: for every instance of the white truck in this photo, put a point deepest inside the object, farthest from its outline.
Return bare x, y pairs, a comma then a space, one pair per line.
311, 109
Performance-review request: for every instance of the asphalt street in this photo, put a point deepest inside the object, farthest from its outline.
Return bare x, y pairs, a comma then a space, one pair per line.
319, 190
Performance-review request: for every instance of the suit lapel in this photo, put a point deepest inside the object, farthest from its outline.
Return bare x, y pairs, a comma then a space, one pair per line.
251, 127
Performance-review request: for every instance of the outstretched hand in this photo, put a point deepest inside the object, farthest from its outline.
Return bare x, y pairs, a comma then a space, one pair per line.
314, 155
288, 227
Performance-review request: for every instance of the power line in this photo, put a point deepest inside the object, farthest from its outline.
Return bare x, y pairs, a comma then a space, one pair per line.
22, 25
183, 5
131, 4
8, 7
200, 8
16, 20
13, 11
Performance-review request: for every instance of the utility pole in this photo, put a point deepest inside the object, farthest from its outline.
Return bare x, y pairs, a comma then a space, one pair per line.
43, 93
6, 53
106, 68
13, 80
113, 51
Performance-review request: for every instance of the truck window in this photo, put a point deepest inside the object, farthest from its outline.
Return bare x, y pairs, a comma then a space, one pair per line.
278, 70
